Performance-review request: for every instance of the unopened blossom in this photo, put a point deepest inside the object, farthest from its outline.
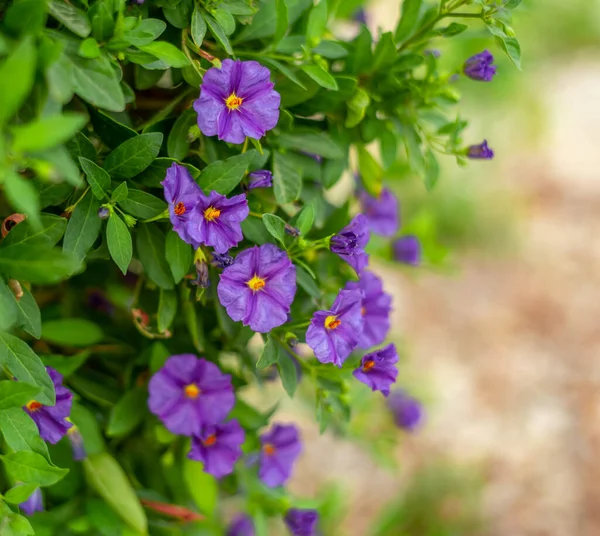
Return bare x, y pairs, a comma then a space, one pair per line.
76, 440
351, 241
376, 306
280, 447
241, 526
407, 249
259, 287
218, 447
407, 411
221, 260
52, 421
33, 504
261, 178
334, 333
237, 100
480, 152
479, 67
378, 369
188, 393
302, 522
382, 212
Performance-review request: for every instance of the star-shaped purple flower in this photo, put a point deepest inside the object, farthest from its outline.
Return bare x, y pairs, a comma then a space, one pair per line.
236, 101
378, 370
479, 67
333, 334
52, 420
259, 287
217, 221
302, 522
280, 447
408, 412
382, 212
261, 178
188, 393
480, 152
376, 306
33, 504
407, 249
182, 194
241, 526
351, 241
218, 447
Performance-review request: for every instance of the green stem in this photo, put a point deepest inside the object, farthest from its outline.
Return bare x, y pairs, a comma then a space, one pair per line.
255, 214
163, 215
464, 15
282, 57
164, 112
71, 208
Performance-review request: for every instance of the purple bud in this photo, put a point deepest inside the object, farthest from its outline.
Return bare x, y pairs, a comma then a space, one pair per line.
35, 503
407, 249
408, 412
479, 67
221, 260
432, 52
103, 213
480, 152
241, 526
360, 15
302, 522
76, 440
260, 179
292, 231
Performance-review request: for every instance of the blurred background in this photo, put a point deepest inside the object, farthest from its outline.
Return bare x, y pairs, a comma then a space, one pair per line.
498, 329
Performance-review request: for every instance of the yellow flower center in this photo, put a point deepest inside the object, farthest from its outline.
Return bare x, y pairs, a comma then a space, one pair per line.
369, 364
211, 213
233, 102
191, 391
256, 283
33, 405
179, 209
269, 449
210, 440
332, 322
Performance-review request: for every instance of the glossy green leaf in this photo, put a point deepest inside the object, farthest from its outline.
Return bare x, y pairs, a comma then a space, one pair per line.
288, 373
24, 197
20, 432
52, 230
25, 17
80, 145
17, 74
225, 19
270, 354
224, 175
179, 255
72, 332
87, 423
287, 179
133, 156
102, 20
120, 193
203, 487
276, 226
89, 48
128, 413
178, 143
320, 76
305, 219
142, 205
385, 53
46, 132
357, 107
144, 32
432, 169
218, 33
66, 365
16, 394
73, 18
34, 266
119, 242
307, 282
281, 21
370, 171
319, 143
198, 27
84, 227
28, 316
150, 245
264, 22
98, 178
167, 53
31, 468
111, 132
8, 306
20, 493
409, 14
317, 23
167, 309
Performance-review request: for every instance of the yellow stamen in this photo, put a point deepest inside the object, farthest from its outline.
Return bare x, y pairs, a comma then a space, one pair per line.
33, 405
269, 449
332, 322
211, 213
191, 390
179, 209
369, 364
256, 283
233, 102
210, 440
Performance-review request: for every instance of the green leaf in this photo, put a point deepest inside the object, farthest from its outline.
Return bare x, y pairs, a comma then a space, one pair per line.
287, 179
72, 332
89, 48
370, 171
178, 143
385, 53
98, 178
361, 59
225, 19
120, 193
17, 73
320, 76
25, 16
179, 256
224, 175
281, 22
142, 205
270, 354
319, 143
39, 267
167, 53
20, 432
432, 170
331, 49
218, 33
66, 365
32, 468
127, 414
150, 244
83, 227
20, 493
73, 18
306, 281
28, 314
16, 394
305, 219
511, 4
8, 307
317, 23
53, 228
264, 22
198, 26
511, 46
452, 29
79, 145
409, 14
288, 373
357, 107
203, 487
108, 479
133, 156
145, 31
87, 423
102, 20
276, 226
111, 132
61, 165
46, 132
119, 242
24, 197
167, 309
285, 71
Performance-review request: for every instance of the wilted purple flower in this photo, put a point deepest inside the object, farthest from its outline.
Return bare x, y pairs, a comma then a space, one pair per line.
335, 333
408, 412
201, 274
351, 241
217, 221
241, 526
52, 420
76, 440
382, 212
279, 449
479, 67
182, 194
221, 260
407, 249
259, 287
377, 369
292, 231
376, 306
262, 178
218, 447
188, 394
236, 101
34, 503
480, 152
302, 522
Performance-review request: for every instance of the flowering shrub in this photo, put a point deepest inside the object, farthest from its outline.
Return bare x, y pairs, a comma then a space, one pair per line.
163, 169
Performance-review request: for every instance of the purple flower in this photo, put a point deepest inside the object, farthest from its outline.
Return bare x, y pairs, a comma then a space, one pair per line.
408, 412
377, 369
376, 306
382, 212
480, 152
335, 333
221, 260
259, 287
351, 241
217, 221
360, 15
302, 522
218, 447
279, 449
188, 393
241, 526
260, 179
479, 67
52, 420
35, 503
182, 194
407, 249
236, 101
76, 440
